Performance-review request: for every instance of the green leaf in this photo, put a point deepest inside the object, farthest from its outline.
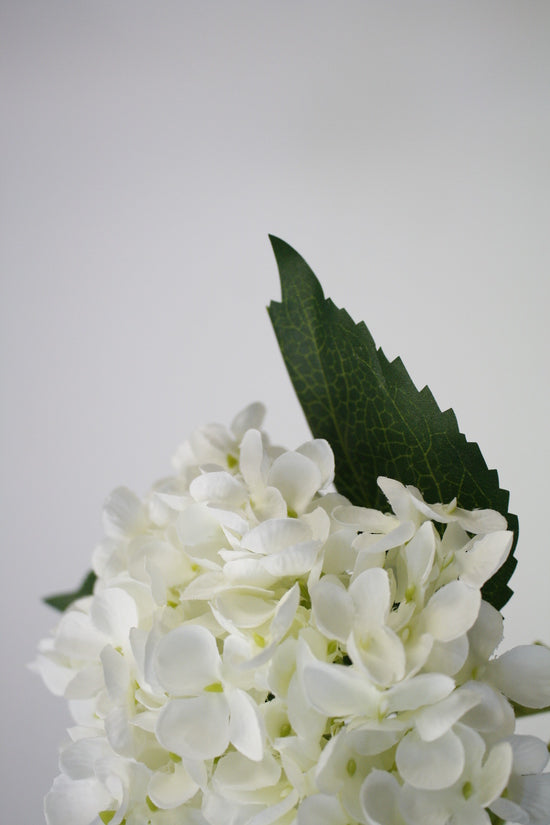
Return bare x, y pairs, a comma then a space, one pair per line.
63, 600
520, 710
371, 413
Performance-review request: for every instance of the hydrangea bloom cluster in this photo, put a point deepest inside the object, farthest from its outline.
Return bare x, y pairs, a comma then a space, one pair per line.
258, 651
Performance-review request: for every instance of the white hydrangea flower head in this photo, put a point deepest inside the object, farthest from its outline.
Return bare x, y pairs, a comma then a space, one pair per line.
259, 651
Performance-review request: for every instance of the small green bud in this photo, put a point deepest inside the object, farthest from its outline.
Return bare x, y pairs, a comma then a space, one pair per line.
467, 790
150, 804
351, 767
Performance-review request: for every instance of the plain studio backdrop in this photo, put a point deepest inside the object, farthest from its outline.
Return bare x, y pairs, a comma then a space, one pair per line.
147, 150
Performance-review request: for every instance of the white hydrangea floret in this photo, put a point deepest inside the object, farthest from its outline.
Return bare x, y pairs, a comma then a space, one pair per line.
260, 651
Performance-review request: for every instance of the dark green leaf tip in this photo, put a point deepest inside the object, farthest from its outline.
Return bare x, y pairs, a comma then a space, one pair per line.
292, 267
372, 414
62, 600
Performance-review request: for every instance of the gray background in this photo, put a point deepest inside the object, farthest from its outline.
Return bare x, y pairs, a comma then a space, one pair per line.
146, 151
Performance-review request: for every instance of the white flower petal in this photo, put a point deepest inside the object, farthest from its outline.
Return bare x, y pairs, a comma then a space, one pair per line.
523, 674
534, 796
116, 672
243, 609
286, 610
321, 809
510, 811
296, 758
443, 513
123, 513
232, 523
375, 737
282, 667
492, 714
197, 525
196, 728
418, 650
268, 504
495, 773
320, 452
480, 521
187, 660
420, 807
171, 787
275, 535
114, 612
56, 677
305, 720
365, 519
337, 690
253, 462
119, 731
77, 638
379, 797
297, 477
208, 440
435, 720
380, 652
218, 487
77, 760
528, 800
530, 754
451, 611
318, 522
197, 771
486, 634
419, 554
430, 765
275, 813
109, 557
332, 608
370, 544
75, 802
246, 731
87, 683
424, 689
486, 556
235, 772
371, 596
471, 814
332, 763
398, 497
338, 553
147, 719
248, 571
206, 586
448, 657
294, 561
250, 418
284, 616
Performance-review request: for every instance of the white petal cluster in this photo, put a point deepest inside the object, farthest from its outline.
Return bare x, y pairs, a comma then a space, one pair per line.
258, 651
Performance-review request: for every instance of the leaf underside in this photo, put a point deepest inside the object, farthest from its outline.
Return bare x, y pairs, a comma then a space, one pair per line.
63, 600
369, 410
